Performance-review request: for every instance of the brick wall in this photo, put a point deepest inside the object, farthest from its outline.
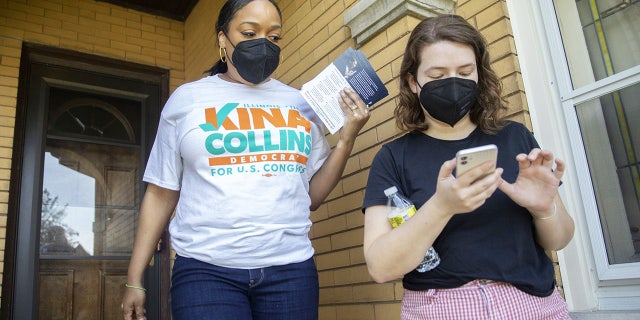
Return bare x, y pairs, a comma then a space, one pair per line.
201, 42
492, 19
81, 25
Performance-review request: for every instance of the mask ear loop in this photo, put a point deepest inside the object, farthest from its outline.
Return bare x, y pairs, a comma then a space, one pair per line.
419, 90
415, 79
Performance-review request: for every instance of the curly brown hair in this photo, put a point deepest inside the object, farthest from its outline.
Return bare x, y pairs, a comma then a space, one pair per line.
489, 111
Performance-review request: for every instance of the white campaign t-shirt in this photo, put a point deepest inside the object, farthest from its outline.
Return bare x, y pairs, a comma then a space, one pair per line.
242, 158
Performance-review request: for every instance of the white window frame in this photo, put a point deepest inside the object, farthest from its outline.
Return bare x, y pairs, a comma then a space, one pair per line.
590, 282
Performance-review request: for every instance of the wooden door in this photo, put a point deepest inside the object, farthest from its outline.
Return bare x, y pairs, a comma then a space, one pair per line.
88, 219
84, 128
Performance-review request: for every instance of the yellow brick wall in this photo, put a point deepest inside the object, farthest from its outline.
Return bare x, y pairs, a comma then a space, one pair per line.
81, 25
201, 42
492, 19
346, 290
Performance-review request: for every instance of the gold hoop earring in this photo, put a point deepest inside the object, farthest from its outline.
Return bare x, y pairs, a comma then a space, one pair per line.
223, 59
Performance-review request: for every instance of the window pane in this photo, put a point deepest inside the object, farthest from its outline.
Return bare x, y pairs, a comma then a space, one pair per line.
93, 116
612, 142
99, 123
90, 200
611, 35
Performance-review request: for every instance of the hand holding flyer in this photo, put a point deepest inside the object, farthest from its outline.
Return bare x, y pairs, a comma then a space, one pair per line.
351, 69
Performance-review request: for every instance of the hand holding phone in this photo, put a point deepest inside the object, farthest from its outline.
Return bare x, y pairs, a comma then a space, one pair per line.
467, 159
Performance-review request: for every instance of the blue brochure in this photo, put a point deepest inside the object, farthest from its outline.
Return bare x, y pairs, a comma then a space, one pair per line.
350, 69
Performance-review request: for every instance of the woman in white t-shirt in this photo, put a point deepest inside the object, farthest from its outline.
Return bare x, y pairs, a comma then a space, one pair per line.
243, 160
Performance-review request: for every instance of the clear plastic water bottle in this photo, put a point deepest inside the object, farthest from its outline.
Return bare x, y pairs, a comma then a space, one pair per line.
400, 209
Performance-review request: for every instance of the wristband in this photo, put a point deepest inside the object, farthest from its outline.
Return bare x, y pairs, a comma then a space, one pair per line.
135, 287
555, 210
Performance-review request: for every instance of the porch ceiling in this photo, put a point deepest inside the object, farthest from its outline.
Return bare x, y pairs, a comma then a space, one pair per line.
173, 9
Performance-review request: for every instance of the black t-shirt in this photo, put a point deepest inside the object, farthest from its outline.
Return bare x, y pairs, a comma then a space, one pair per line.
495, 242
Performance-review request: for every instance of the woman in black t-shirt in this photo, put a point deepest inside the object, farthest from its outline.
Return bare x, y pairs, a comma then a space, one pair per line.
490, 227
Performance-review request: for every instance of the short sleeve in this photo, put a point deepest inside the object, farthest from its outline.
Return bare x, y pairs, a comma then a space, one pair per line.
164, 167
382, 175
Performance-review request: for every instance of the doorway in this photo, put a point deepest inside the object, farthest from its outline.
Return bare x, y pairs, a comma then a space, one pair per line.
84, 128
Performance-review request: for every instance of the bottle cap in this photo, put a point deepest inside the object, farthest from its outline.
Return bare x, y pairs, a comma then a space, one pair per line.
391, 190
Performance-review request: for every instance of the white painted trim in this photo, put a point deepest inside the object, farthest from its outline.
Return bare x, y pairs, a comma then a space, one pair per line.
605, 86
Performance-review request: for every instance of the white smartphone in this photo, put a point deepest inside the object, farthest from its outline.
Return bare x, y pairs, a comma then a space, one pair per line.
469, 158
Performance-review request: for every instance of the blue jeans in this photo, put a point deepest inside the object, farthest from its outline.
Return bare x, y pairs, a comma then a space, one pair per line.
204, 291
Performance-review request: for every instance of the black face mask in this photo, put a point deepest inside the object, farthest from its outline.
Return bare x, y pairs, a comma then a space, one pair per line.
255, 59
449, 100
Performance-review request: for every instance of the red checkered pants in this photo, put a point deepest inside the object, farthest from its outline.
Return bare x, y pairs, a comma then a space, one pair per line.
482, 299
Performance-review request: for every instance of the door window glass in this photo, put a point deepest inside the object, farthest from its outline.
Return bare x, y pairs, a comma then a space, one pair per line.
90, 201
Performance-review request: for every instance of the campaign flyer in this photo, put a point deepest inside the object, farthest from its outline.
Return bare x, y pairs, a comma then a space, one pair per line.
350, 69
